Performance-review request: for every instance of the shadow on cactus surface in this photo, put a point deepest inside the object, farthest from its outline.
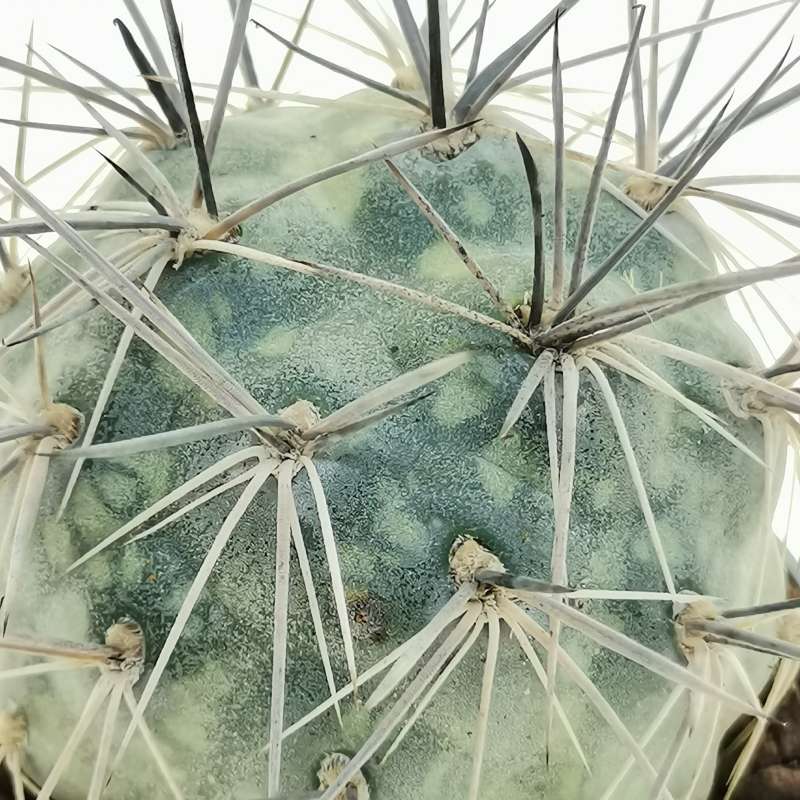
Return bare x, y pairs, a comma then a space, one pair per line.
385, 447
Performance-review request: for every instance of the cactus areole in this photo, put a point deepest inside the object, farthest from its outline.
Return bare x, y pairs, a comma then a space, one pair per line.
343, 500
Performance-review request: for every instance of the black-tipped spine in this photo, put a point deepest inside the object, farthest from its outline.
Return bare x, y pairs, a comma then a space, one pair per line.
129, 179
174, 119
537, 289
438, 109
188, 95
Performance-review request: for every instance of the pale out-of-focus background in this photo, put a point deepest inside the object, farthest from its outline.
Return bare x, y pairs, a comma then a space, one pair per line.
769, 147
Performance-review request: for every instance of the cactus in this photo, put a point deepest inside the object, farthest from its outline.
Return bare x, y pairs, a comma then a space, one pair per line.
414, 476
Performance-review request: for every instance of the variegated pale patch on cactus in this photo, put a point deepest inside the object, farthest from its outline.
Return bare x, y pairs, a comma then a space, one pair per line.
417, 474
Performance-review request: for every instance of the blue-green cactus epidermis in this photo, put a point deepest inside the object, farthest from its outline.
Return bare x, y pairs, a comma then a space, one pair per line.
400, 492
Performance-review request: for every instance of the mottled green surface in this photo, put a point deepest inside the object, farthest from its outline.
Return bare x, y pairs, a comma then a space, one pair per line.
398, 493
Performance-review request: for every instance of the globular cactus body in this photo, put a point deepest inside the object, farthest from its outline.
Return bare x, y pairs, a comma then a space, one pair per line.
399, 493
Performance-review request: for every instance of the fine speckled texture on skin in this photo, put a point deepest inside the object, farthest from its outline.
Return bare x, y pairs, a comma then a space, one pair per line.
400, 492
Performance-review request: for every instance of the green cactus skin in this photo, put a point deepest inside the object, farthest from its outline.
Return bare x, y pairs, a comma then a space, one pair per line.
399, 492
